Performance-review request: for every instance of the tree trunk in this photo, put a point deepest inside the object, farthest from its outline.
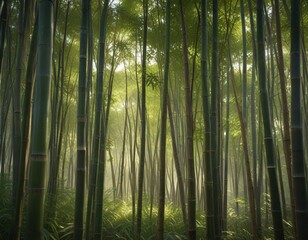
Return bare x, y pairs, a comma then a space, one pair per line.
39, 131
23, 32
244, 86
177, 163
103, 128
143, 120
124, 138
268, 138
299, 178
206, 119
214, 104
81, 125
56, 126
3, 29
252, 205
226, 157
191, 185
95, 168
162, 157
26, 126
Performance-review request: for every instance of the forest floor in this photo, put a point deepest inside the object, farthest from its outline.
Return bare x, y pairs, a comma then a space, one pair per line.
118, 224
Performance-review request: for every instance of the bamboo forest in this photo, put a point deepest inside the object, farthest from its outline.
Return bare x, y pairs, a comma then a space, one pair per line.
153, 119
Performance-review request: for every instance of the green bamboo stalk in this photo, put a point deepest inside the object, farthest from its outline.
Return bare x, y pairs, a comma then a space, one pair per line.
162, 166
27, 111
56, 126
96, 168
3, 26
143, 121
191, 183
213, 120
124, 138
23, 14
206, 118
89, 89
3, 33
299, 178
5, 86
267, 123
81, 125
286, 124
101, 153
253, 121
177, 163
251, 198
244, 86
226, 158
38, 158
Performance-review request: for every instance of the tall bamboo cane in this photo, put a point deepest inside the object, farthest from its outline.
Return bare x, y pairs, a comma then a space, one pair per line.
162, 170
267, 123
38, 158
296, 126
81, 125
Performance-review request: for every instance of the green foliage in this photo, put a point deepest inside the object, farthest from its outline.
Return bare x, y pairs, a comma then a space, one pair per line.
5, 207
117, 219
61, 227
152, 79
238, 224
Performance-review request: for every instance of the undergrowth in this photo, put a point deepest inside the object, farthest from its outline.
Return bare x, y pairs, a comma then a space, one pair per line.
117, 220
